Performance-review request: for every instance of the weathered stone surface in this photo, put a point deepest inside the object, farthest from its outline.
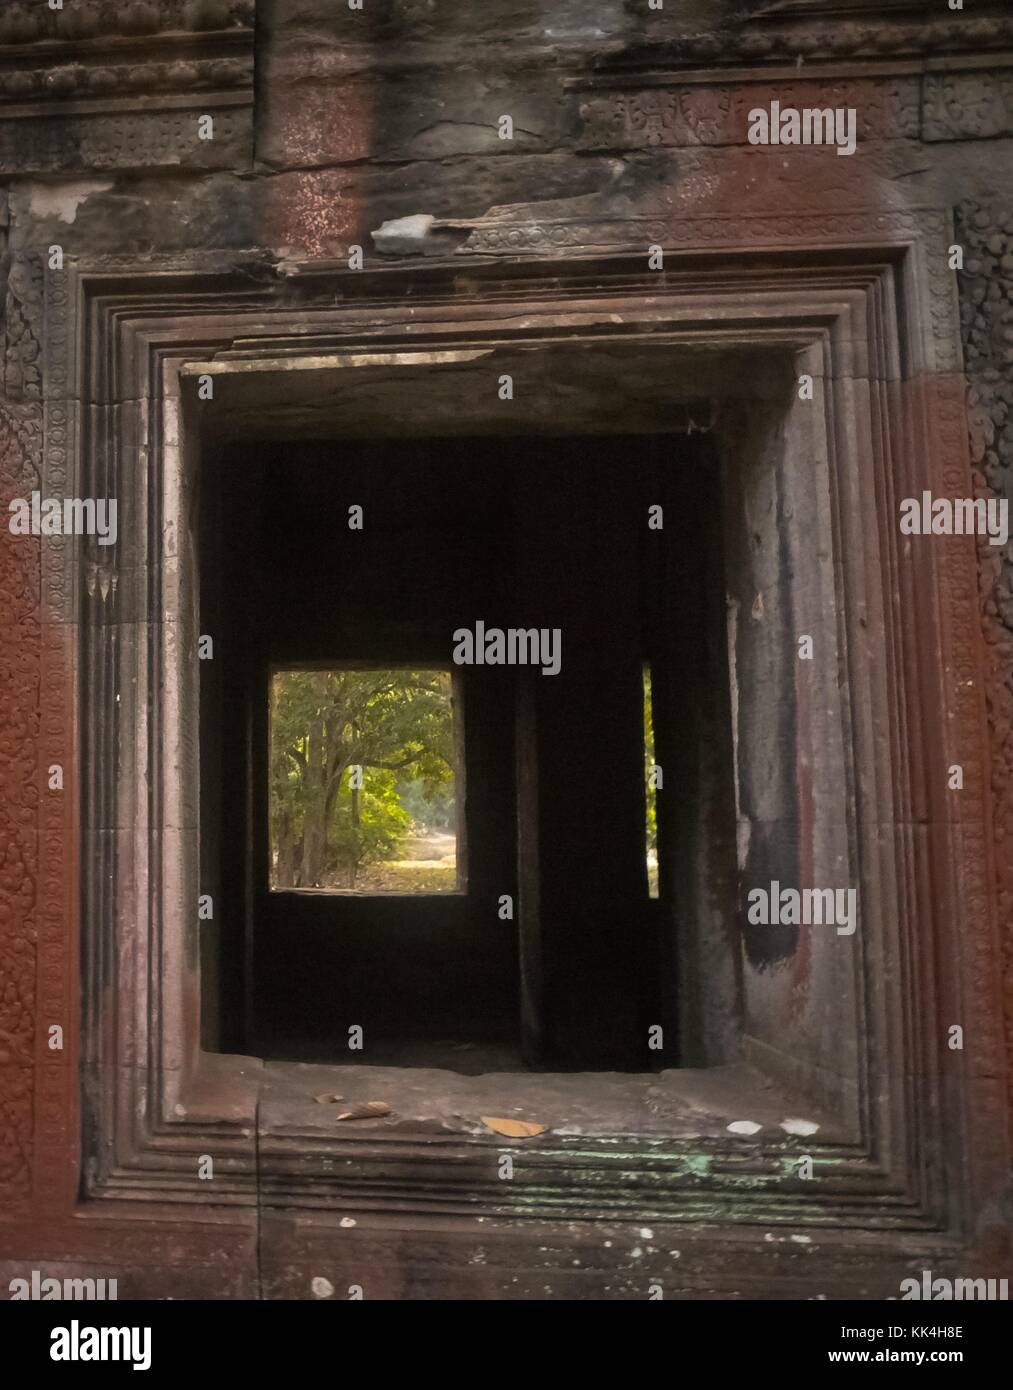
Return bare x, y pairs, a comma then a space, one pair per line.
136, 217
986, 233
71, 99
968, 105
321, 117
333, 127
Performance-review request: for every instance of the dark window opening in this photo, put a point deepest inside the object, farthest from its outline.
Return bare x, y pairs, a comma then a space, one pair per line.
542, 931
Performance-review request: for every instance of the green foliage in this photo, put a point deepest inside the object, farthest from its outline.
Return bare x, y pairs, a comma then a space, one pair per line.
375, 833
652, 795
395, 724
428, 803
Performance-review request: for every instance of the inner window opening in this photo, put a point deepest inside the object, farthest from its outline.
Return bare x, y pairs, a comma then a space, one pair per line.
652, 781
362, 781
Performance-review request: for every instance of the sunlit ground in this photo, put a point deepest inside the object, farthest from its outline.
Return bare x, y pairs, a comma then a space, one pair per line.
428, 864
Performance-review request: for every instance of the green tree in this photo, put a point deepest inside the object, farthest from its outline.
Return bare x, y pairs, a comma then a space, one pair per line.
388, 722
651, 792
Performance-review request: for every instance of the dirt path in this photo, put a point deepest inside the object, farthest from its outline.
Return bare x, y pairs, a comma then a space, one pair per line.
432, 847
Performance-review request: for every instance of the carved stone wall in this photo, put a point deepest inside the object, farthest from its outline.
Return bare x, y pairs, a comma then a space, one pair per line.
100, 86
20, 721
630, 130
986, 308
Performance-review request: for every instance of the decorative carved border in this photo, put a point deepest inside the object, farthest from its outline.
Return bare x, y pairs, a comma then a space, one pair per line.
52, 83
673, 112
936, 347
21, 637
24, 22
649, 41
807, 34
106, 86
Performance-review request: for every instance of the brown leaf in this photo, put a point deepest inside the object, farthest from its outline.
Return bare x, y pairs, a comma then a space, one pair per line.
513, 1129
370, 1111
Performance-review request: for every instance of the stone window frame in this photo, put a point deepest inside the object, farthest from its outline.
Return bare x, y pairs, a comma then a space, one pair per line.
872, 308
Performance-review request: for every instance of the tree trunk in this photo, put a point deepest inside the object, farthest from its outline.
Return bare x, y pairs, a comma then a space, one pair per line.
284, 869
314, 844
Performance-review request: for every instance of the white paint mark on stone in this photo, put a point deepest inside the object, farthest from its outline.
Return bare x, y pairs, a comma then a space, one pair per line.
744, 1127
743, 835
322, 1288
794, 1126
62, 200
801, 1240
348, 1221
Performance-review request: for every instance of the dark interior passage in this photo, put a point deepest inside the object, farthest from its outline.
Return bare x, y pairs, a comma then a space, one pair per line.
551, 953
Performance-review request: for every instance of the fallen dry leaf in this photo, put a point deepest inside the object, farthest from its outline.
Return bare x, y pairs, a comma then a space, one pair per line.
370, 1111
327, 1098
513, 1129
